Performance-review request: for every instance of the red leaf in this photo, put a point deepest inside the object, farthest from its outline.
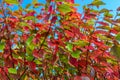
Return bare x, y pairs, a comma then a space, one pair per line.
69, 33
36, 54
82, 63
30, 13
13, 19
39, 25
101, 32
39, 17
38, 36
24, 37
103, 23
26, 63
14, 61
50, 9
32, 65
71, 1
47, 17
96, 54
90, 47
73, 61
5, 69
26, 28
6, 55
53, 20
113, 31
54, 58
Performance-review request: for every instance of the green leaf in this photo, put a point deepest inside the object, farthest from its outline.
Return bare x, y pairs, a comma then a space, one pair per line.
69, 46
12, 70
12, 2
107, 14
64, 8
80, 43
29, 57
2, 46
102, 37
37, 62
104, 10
23, 24
76, 54
31, 46
118, 37
98, 3
63, 58
91, 22
29, 18
29, 40
27, 6
35, 2
75, 4
115, 50
112, 61
29, 43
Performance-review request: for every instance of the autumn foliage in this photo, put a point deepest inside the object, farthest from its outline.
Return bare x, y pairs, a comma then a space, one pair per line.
53, 41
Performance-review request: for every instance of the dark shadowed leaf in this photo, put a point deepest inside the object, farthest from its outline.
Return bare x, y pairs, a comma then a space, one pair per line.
115, 50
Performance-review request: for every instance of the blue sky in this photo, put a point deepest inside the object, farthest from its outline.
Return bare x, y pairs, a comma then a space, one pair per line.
110, 4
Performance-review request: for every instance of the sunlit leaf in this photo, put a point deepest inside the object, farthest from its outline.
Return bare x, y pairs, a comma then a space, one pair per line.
103, 37
112, 61
38, 62
29, 43
98, 3
12, 2
80, 43
106, 14
12, 70
29, 40
23, 24
2, 46
64, 8
30, 18
34, 1
76, 54
69, 46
